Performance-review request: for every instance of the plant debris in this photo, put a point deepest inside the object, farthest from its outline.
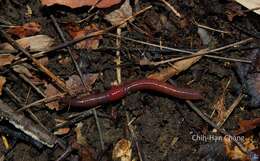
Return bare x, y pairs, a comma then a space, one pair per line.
122, 151
2, 82
25, 30
81, 3
75, 32
117, 16
247, 125
33, 43
6, 59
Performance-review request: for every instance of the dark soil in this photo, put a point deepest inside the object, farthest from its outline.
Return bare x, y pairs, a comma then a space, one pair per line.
159, 119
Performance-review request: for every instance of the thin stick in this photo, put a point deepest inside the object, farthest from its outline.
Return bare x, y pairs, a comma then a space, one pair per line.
151, 44
134, 137
204, 53
44, 100
19, 102
100, 133
69, 50
229, 59
212, 29
172, 8
93, 6
231, 109
31, 84
182, 51
118, 58
45, 70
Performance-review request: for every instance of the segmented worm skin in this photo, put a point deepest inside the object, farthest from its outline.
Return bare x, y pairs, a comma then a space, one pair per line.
118, 92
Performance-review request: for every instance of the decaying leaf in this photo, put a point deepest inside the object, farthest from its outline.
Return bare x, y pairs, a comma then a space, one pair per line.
6, 59
75, 32
33, 43
122, 151
51, 91
62, 131
44, 61
2, 82
250, 4
234, 153
74, 82
25, 30
81, 3
176, 68
80, 139
22, 70
247, 125
117, 16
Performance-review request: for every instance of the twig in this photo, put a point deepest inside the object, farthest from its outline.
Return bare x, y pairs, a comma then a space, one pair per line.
134, 138
229, 59
44, 100
79, 117
172, 8
93, 6
45, 70
19, 102
212, 29
186, 51
87, 18
150, 44
100, 133
118, 58
69, 50
204, 53
231, 109
31, 84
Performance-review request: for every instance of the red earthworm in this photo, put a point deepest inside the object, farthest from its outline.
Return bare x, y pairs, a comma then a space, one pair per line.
118, 92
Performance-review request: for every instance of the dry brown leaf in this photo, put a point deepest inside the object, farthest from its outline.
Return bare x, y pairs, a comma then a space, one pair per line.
62, 131
25, 30
117, 16
122, 151
247, 125
250, 4
33, 43
2, 82
79, 137
75, 32
81, 3
234, 153
6, 59
176, 68
74, 82
51, 91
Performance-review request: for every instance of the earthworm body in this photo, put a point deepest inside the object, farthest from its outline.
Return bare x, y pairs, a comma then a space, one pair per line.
118, 92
